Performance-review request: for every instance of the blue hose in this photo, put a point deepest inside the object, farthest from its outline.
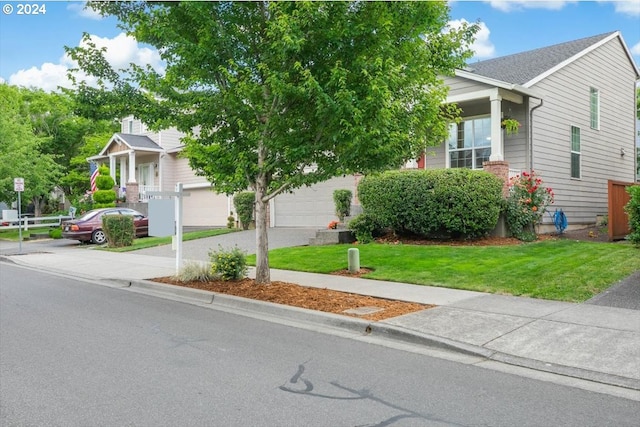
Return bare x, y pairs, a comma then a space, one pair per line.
560, 221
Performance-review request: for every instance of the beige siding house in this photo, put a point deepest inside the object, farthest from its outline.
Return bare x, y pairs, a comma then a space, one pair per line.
575, 103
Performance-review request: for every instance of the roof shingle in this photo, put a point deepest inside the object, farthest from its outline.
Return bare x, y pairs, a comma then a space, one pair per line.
523, 67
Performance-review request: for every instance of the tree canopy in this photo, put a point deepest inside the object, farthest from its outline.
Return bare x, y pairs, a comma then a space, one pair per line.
21, 154
277, 95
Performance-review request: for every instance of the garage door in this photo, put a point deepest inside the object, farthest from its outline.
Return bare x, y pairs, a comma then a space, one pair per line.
203, 207
309, 206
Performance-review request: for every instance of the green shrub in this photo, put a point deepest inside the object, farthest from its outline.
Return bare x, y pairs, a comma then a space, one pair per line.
363, 227
192, 271
632, 208
229, 264
231, 221
243, 203
435, 203
55, 233
104, 196
342, 200
119, 230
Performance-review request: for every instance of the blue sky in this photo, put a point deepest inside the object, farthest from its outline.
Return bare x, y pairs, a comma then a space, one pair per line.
32, 46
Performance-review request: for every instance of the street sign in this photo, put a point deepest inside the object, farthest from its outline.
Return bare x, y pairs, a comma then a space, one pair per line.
18, 184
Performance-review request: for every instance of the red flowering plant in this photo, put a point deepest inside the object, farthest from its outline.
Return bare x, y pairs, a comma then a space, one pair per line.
527, 202
333, 225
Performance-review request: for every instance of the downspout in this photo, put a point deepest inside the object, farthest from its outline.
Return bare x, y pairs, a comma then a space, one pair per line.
531, 131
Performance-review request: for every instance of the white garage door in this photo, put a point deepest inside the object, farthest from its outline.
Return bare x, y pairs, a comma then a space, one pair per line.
203, 207
310, 206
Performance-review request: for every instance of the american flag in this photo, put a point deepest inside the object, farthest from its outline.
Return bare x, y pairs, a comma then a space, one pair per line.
93, 168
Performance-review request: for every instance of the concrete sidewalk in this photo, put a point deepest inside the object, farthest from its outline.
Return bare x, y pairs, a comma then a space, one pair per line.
591, 342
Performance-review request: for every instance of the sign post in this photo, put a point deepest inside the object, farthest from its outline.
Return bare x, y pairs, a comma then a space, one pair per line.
177, 195
18, 187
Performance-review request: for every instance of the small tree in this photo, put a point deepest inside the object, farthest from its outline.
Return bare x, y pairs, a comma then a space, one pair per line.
342, 200
243, 203
105, 196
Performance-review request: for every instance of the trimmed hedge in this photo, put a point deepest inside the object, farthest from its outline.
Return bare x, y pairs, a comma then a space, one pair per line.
119, 229
342, 200
105, 196
243, 202
446, 203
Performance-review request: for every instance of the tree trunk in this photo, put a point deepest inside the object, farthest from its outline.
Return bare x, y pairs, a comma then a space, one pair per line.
263, 275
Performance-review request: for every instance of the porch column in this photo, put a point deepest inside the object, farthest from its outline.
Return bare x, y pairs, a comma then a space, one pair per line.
132, 166
123, 172
132, 185
112, 167
496, 129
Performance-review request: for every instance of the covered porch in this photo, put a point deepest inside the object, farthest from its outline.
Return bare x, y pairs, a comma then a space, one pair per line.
134, 163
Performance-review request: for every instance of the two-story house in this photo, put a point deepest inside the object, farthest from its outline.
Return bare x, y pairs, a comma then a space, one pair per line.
575, 103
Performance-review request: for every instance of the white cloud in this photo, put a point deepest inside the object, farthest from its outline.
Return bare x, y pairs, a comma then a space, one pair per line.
122, 50
510, 5
481, 46
47, 77
635, 49
625, 7
79, 9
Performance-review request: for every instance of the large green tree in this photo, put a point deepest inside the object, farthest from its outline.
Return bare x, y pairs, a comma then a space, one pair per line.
278, 95
21, 153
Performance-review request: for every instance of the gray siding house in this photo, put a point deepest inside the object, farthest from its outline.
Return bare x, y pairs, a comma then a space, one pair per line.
575, 102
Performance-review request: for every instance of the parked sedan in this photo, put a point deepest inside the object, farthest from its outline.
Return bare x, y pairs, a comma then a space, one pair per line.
88, 227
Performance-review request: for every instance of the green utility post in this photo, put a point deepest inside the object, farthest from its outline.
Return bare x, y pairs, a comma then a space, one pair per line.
353, 255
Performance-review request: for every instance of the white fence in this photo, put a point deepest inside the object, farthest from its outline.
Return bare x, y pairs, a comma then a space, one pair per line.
143, 190
26, 222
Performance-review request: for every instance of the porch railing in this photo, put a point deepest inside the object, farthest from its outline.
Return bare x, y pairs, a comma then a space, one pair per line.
143, 190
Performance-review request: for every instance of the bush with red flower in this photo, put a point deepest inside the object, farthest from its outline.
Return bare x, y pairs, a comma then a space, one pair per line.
527, 202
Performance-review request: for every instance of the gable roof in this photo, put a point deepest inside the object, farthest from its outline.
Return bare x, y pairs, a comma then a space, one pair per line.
528, 68
133, 142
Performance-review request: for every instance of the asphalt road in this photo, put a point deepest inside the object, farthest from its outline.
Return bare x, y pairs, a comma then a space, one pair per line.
75, 353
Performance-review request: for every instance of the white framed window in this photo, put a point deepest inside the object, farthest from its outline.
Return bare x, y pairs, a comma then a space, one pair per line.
575, 152
130, 126
594, 103
469, 143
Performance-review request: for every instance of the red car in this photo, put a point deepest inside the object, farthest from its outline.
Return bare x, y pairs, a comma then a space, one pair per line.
88, 227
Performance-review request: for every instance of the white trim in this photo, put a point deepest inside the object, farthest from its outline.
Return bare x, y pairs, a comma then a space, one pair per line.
595, 90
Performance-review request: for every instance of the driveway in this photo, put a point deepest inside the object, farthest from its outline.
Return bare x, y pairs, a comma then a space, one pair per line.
245, 240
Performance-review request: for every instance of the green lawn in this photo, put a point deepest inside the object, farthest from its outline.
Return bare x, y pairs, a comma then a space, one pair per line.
149, 242
146, 242
13, 234
561, 270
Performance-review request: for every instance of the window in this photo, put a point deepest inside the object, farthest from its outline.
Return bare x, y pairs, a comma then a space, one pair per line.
594, 99
469, 143
575, 152
130, 126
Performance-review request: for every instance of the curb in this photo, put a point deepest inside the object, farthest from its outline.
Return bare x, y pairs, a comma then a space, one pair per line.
376, 329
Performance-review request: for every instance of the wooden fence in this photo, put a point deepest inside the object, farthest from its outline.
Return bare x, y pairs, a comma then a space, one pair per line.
618, 219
